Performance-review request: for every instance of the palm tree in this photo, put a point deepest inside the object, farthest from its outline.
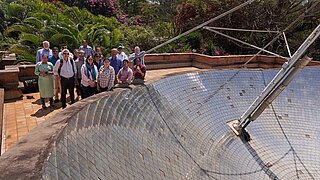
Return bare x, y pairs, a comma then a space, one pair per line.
31, 22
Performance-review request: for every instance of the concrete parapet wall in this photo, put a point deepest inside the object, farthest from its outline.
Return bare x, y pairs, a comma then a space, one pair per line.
173, 60
167, 60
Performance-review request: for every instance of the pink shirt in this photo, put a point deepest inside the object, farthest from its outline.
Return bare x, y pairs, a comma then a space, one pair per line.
125, 75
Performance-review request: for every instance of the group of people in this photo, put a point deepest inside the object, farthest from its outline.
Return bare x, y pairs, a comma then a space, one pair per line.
85, 70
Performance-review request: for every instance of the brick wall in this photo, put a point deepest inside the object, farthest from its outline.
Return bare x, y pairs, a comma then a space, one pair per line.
173, 60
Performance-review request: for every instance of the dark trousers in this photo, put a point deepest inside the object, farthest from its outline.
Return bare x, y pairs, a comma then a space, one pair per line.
88, 91
43, 101
105, 89
67, 84
79, 89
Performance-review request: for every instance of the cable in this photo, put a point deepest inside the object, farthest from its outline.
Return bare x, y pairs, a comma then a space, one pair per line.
202, 25
280, 33
244, 30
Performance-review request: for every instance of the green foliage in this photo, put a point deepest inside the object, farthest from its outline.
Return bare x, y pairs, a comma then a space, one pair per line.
260, 15
195, 39
24, 24
143, 37
18, 11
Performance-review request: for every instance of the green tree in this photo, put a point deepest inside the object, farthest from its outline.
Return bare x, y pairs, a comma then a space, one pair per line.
33, 21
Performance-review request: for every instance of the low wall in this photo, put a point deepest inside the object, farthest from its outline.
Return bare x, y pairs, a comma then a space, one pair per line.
167, 60
1, 115
9, 80
174, 60
6, 59
13, 74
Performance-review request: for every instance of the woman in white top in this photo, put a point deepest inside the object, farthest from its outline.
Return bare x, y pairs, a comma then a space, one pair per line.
89, 74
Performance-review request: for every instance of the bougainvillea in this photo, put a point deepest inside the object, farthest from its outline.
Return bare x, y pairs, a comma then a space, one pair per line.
104, 7
107, 8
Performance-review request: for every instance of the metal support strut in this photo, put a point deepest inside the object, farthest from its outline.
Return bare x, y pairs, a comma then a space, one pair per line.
288, 71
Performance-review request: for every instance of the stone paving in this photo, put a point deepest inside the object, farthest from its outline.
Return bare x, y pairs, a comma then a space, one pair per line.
21, 116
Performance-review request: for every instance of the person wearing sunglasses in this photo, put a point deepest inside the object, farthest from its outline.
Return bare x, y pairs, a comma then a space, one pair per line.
89, 73
65, 70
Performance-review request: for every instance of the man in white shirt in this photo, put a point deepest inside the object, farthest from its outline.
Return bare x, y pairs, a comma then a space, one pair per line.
64, 46
121, 55
65, 70
137, 53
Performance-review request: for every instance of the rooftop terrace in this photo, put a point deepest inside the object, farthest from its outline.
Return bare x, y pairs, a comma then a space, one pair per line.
174, 127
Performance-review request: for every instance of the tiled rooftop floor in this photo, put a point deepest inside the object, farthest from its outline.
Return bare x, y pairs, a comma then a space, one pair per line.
21, 116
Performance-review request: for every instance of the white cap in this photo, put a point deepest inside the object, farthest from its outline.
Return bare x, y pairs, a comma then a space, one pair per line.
65, 51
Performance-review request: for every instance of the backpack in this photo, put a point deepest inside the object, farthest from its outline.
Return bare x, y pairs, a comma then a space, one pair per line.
61, 63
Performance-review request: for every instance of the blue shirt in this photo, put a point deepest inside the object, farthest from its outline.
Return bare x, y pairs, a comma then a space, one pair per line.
53, 59
116, 64
88, 51
42, 51
98, 64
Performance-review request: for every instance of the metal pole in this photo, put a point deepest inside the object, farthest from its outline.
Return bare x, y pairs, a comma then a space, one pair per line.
201, 25
244, 30
261, 49
282, 76
287, 28
287, 45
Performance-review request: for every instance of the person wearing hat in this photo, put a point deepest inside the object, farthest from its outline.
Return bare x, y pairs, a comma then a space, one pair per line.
115, 62
125, 74
65, 69
121, 55
79, 62
106, 77
62, 47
